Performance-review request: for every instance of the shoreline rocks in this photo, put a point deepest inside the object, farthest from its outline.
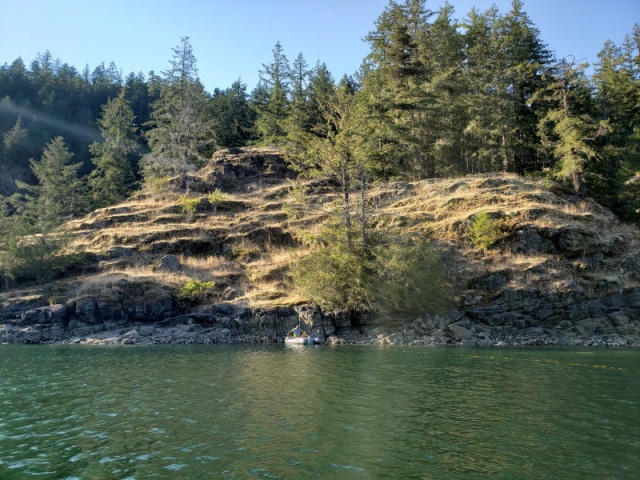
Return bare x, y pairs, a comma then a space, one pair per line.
133, 314
231, 324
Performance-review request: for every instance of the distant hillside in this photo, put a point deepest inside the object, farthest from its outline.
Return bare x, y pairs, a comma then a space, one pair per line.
557, 269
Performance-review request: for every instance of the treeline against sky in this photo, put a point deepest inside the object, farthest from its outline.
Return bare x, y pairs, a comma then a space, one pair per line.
434, 97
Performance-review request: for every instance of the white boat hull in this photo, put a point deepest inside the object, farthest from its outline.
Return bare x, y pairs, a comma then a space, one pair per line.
302, 340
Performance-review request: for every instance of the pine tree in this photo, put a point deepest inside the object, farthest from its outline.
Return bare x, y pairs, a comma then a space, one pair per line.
271, 98
233, 115
617, 96
340, 156
321, 88
180, 138
572, 133
445, 113
480, 135
521, 60
302, 109
390, 94
60, 191
14, 154
112, 179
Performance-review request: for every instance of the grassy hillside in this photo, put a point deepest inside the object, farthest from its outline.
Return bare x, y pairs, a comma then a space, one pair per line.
540, 238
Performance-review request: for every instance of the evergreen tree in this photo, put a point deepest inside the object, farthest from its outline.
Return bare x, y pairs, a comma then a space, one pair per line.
301, 109
390, 93
271, 98
444, 112
483, 115
233, 115
617, 96
340, 156
321, 89
522, 60
572, 133
15, 150
180, 134
139, 98
112, 178
60, 191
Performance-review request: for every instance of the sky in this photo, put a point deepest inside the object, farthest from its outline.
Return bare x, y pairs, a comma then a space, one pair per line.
231, 39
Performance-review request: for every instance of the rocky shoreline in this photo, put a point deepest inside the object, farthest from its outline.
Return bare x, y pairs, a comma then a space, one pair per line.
610, 322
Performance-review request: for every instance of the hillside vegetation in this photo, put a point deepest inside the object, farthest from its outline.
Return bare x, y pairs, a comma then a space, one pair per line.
522, 258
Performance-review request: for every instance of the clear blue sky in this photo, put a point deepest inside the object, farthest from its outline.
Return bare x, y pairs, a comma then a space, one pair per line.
232, 39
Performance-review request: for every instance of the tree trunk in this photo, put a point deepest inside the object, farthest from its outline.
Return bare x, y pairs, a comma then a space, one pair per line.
363, 216
346, 210
578, 182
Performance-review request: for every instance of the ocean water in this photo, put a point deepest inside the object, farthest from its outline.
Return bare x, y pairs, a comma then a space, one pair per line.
195, 412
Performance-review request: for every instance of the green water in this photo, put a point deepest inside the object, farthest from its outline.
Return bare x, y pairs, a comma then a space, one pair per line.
318, 412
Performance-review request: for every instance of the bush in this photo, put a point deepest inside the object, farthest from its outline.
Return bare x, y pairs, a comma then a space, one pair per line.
411, 278
216, 198
484, 231
39, 258
189, 205
157, 184
336, 279
193, 289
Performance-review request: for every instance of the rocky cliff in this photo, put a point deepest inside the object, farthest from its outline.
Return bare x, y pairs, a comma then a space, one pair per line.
559, 270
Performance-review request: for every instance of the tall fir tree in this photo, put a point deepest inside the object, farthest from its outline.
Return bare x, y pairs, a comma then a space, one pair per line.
112, 179
233, 116
60, 192
180, 137
271, 98
617, 99
569, 132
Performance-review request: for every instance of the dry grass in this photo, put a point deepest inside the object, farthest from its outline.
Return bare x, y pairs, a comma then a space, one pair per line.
104, 283
218, 265
439, 208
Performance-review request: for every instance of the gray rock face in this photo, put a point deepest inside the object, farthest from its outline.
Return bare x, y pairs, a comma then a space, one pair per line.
169, 263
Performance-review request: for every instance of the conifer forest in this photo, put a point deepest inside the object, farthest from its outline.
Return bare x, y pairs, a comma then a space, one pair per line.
436, 96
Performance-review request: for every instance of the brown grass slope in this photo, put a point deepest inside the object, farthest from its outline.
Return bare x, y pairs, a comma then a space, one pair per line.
547, 243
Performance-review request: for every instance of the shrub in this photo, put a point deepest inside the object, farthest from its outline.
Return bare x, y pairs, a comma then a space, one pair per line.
410, 278
484, 231
216, 198
335, 279
195, 288
189, 205
40, 258
157, 184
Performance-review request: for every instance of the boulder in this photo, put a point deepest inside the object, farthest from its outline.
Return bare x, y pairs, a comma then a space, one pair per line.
460, 331
169, 263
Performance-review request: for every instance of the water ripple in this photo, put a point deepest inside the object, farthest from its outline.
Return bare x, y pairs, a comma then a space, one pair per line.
273, 412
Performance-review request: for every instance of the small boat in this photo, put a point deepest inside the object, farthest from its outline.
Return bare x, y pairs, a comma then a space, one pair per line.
302, 340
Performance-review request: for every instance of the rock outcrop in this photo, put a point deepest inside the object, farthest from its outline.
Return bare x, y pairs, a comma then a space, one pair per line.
562, 270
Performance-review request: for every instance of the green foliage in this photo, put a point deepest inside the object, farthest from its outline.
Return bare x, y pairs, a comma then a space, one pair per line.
298, 201
35, 257
270, 98
189, 205
194, 288
411, 278
235, 119
402, 277
439, 94
484, 231
216, 198
336, 279
157, 184
112, 179
60, 192
181, 135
